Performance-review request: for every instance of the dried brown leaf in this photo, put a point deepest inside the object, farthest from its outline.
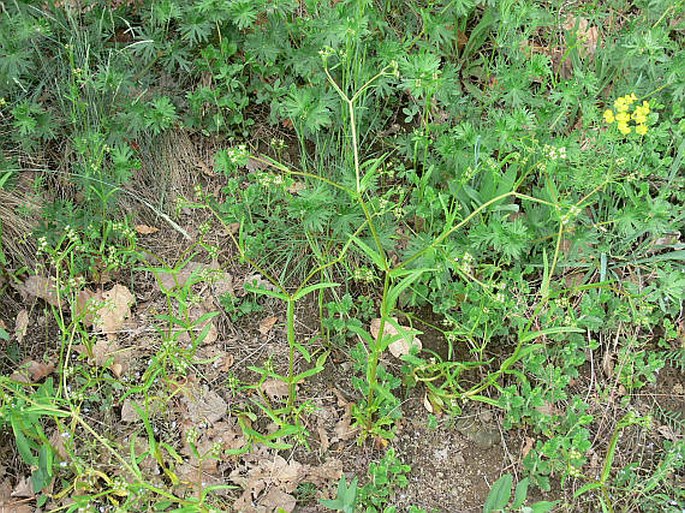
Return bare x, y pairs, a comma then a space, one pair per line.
23, 489
668, 433
15, 507
343, 429
399, 347
587, 35
427, 403
527, 446
323, 438
178, 279
275, 389
57, 443
267, 324
226, 362
203, 405
256, 280
86, 306
41, 287
115, 310
32, 371
222, 284
144, 229
326, 473
277, 500
21, 325
129, 413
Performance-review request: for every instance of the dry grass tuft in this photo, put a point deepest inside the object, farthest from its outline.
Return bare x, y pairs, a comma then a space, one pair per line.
19, 208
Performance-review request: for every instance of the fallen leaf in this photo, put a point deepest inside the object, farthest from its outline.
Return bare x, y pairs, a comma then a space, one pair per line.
21, 326
326, 473
15, 507
547, 408
23, 489
57, 443
226, 362
203, 405
115, 310
32, 372
144, 229
608, 364
222, 284
256, 165
668, 433
277, 500
198, 475
107, 353
586, 34
129, 413
174, 279
297, 187
86, 306
260, 475
275, 389
343, 429
266, 325
257, 281
323, 439
427, 404
527, 447
41, 287
229, 434
399, 347
117, 369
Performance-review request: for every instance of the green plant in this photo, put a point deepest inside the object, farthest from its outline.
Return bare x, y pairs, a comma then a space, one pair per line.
500, 500
346, 497
386, 477
601, 484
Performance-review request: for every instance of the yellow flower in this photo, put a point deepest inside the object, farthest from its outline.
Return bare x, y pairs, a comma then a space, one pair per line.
621, 104
632, 97
641, 129
623, 128
609, 116
623, 117
639, 117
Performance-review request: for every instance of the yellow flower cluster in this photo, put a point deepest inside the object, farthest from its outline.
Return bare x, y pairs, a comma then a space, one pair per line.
623, 116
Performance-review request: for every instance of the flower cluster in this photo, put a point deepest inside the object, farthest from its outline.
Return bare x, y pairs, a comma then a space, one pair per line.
623, 116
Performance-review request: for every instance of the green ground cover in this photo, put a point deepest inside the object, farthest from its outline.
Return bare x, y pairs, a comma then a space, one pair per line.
214, 212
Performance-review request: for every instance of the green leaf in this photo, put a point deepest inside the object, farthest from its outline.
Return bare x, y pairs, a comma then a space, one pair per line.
24, 446
372, 254
521, 493
265, 292
543, 507
346, 497
549, 331
320, 361
370, 168
365, 335
396, 290
586, 488
499, 495
311, 288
